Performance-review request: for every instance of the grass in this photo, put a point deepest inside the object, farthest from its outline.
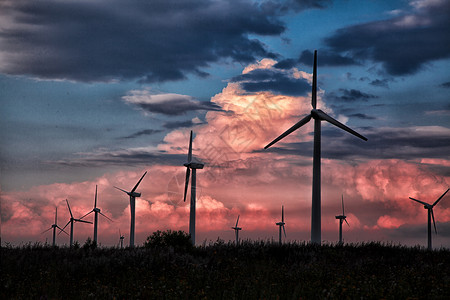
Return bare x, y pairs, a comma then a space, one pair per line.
252, 270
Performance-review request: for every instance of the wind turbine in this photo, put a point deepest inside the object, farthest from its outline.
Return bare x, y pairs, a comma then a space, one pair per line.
121, 237
194, 166
429, 207
318, 116
341, 219
96, 211
54, 226
133, 196
281, 224
236, 230
71, 221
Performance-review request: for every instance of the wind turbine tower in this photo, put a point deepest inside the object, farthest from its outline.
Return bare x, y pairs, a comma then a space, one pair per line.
281, 224
341, 219
191, 165
71, 221
429, 207
236, 230
318, 116
121, 237
54, 226
133, 195
96, 211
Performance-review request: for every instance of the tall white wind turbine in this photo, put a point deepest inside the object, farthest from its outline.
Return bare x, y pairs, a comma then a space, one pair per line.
341, 219
54, 226
236, 230
71, 221
191, 165
318, 116
429, 207
133, 196
281, 224
96, 211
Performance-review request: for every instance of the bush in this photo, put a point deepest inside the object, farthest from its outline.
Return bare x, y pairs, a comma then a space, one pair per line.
179, 240
90, 244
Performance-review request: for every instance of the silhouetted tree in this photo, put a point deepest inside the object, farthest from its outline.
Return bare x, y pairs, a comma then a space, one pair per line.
177, 239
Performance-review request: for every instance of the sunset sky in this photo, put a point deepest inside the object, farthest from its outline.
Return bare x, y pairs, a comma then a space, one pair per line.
97, 92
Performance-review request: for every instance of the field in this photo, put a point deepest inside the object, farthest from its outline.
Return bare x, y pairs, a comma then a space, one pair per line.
252, 270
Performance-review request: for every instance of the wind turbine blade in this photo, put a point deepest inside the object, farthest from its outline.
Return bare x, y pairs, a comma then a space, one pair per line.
121, 190
82, 221
87, 214
434, 223
282, 213
69, 208
284, 230
190, 149
335, 122
421, 202
104, 216
440, 198
137, 184
343, 206
347, 222
290, 130
188, 173
46, 230
314, 83
237, 221
95, 203
56, 214
61, 230
64, 227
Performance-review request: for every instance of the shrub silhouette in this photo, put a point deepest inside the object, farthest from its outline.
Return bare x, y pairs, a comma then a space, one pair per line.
90, 244
179, 240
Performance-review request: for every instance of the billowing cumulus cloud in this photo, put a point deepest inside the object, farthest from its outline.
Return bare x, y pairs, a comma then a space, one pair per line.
403, 44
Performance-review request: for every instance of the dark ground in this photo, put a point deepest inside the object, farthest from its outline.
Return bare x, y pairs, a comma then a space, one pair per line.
253, 270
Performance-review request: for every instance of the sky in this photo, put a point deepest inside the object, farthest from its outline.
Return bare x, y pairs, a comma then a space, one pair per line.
98, 92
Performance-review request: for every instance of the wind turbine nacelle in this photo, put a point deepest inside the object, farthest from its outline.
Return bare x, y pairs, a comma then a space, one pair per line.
134, 194
97, 210
237, 228
341, 217
280, 223
194, 165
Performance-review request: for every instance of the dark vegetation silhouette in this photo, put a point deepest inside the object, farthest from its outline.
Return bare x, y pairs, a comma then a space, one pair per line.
165, 268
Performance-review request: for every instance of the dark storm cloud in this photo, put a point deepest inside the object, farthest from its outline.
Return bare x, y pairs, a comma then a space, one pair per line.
167, 104
142, 133
180, 124
384, 143
362, 116
153, 41
351, 95
404, 44
271, 80
326, 58
445, 85
380, 83
285, 64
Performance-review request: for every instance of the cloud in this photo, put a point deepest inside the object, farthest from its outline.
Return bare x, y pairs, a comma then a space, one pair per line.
274, 80
153, 41
183, 124
445, 85
351, 95
380, 83
326, 58
141, 133
403, 44
167, 104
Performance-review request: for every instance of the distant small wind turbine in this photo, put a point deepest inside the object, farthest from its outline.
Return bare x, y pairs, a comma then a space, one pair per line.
281, 224
133, 196
429, 207
54, 226
96, 211
194, 166
236, 230
318, 116
341, 219
71, 221
121, 237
